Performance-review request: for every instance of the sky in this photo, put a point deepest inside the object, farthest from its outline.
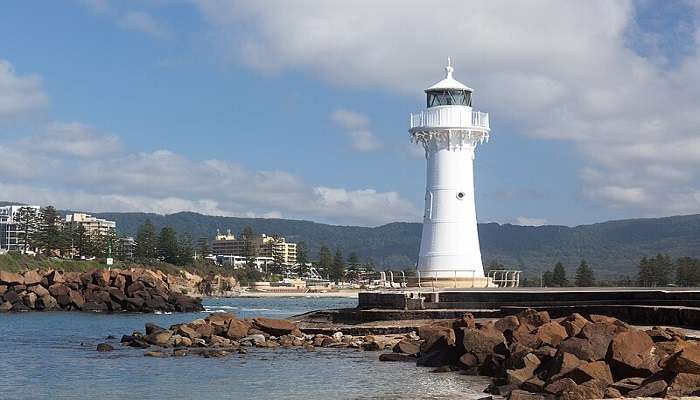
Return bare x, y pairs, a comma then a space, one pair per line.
299, 109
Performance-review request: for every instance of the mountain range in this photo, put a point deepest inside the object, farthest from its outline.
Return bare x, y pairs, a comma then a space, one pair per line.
613, 248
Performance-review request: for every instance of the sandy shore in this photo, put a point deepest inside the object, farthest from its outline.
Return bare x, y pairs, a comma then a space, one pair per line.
351, 294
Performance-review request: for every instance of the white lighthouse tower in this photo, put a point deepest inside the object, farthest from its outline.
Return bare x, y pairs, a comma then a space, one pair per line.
450, 130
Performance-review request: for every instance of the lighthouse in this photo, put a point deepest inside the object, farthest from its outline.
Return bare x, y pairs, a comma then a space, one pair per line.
450, 130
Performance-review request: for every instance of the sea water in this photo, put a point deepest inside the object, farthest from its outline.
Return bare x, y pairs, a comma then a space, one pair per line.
51, 355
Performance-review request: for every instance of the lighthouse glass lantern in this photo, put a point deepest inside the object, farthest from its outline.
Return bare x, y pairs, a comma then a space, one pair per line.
449, 130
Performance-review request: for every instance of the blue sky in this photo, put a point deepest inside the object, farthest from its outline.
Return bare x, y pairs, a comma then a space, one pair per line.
299, 109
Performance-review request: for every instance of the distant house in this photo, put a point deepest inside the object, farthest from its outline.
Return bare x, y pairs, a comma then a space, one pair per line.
92, 225
229, 249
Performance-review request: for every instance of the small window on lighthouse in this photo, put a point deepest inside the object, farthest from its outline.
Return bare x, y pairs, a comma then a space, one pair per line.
452, 97
460, 195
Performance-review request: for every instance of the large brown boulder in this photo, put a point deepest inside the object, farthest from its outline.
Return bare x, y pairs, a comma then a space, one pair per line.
551, 333
76, 299
683, 384
276, 327
686, 360
53, 276
29, 300
59, 289
11, 278
521, 375
481, 342
46, 303
159, 338
562, 364
560, 385
533, 319
574, 323
591, 370
237, 329
438, 347
592, 389
407, 346
32, 278
508, 323
632, 353
38, 290
650, 389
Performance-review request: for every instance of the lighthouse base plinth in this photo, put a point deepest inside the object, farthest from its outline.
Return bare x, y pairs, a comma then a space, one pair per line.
457, 282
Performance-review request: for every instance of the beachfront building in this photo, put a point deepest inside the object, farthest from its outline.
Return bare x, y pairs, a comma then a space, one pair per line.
92, 225
17, 223
266, 249
450, 130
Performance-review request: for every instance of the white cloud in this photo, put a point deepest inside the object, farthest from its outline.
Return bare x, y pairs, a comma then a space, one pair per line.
19, 95
552, 69
530, 221
143, 22
356, 127
67, 167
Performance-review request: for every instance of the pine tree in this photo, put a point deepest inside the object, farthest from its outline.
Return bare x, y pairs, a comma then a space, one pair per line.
168, 245
185, 252
26, 220
663, 270
302, 257
646, 273
338, 267
559, 276
688, 271
548, 279
146, 242
203, 246
584, 275
50, 236
325, 259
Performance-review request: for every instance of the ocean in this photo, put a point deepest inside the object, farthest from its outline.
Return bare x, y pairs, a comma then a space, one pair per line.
52, 356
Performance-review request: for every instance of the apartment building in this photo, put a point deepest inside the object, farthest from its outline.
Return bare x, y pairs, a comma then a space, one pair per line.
265, 247
92, 225
13, 227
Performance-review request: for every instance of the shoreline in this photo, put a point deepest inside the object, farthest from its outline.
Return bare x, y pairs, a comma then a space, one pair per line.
347, 294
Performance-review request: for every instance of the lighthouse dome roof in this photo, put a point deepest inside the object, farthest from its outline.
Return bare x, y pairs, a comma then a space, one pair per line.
449, 82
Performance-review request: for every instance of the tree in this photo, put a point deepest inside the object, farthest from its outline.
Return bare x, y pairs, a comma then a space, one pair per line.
688, 271
584, 275
353, 260
203, 246
302, 257
646, 272
146, 242
50, 236
547, 279
559, 276
168, 245
185, 252
26, 220
248, 236
337, 267
325, 259
657, 271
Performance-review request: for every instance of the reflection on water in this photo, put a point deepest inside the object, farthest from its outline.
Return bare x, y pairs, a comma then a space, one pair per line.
52, 356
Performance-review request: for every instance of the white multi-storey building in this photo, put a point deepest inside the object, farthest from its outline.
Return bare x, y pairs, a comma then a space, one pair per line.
15, 227
449, 130
92, 225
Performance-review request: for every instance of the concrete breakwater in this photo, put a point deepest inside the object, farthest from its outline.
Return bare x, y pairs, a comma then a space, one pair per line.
135, 290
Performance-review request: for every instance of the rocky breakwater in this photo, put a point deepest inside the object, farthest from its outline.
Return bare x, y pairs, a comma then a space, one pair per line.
135, 290
531, 356
222, 334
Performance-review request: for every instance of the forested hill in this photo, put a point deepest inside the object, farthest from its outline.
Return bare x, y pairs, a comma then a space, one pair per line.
612, 248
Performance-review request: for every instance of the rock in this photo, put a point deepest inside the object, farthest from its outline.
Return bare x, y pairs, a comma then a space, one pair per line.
550, 333
508, 323
3, 289
29, 300
560, 385
104, 347
533, 319
604, 319
574, 323
562, 364
467, 321
583, 348
683, 384
687, 360
59, 289
519, 376
612, 393
32, 278
591, 370
481, 342
627, 384
159, 338
237, 329
469, 360
12, 296
258, 340
158, 354
76, 299
276, 327
650, 389
54, 276
432, 333
523, 335
632, 353
152, 328
179, 352
187, 331
39, 290
116, 294
205, 330
185, 341
407, 346
438, 348
519, 394
11, 278
534, 384
659, 335
5, 306
400, 357
46, 303
592, 389
94, 306
134, 303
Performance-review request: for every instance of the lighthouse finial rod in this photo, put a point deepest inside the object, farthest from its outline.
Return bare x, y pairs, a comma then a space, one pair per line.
449, 68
